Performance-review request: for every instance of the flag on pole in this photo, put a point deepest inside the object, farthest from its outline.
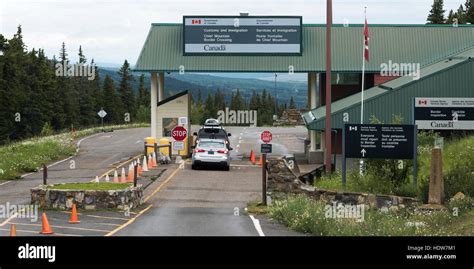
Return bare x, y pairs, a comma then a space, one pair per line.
366, 42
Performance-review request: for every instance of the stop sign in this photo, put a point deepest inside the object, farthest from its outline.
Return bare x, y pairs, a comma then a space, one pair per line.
266, 137
179, 133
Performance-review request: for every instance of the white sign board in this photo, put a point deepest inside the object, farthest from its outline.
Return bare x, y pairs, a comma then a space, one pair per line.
102, 113
444, 113
182, 121
178, 145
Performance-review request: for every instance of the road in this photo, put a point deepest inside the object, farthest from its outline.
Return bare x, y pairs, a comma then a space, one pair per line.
96, 155
185, 202
212, 202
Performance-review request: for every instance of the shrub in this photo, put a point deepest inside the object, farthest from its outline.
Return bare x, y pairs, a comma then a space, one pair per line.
47, 129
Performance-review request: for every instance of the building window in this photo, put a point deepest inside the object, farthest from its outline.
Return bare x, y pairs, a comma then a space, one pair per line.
346, 79
168, 126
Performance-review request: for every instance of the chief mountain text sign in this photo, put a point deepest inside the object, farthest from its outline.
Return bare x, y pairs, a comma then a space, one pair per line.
224, 35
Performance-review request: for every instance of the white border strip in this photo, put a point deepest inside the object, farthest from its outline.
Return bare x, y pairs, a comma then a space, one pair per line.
256, 223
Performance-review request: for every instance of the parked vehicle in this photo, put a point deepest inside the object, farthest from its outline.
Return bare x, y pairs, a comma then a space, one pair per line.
211, 152
213, 132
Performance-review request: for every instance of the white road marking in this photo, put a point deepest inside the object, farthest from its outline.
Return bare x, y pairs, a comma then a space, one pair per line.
256, 223
5, 182
238, 146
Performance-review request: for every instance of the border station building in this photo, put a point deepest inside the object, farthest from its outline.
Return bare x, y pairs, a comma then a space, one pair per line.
444, 54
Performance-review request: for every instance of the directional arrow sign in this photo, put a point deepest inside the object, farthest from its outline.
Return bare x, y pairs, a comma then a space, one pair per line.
379, 141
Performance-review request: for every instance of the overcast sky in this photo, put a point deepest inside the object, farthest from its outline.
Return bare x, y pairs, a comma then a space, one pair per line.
113, 30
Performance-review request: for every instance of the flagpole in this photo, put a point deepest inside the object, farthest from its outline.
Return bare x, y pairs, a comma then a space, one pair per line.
361, 162
363, 75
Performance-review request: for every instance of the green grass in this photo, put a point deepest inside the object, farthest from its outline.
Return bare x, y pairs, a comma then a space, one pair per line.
303, 214
101, 186
458, 169
28, 155
257, 208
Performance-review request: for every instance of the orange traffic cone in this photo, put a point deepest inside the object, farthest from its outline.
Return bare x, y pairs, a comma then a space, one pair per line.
116, 179
150, 162
154, 160
13, 230
145, 166
252, 157
139, 170
45, 229
123, 178
74, 218
260, 161
130, 173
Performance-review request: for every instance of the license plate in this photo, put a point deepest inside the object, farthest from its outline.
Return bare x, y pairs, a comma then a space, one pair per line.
211, 152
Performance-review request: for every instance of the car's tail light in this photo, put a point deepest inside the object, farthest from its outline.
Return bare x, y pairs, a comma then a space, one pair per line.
223, 151
198, 150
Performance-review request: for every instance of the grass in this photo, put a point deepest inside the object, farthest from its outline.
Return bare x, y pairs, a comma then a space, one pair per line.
458, 169
256, 207
101, 186
303, 214
28, 155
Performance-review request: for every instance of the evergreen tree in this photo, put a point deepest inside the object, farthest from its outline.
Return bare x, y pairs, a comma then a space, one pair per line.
210, 110
292, 103
125, 91
451, 17
143, 93
469, 16
436, 15
237, 101
461, 15
84, 93
110, 102
219, 101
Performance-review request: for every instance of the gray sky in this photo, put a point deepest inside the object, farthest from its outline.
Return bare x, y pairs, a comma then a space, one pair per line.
113, 30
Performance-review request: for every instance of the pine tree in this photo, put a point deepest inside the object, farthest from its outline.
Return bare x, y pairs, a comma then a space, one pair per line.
436, 15
451, 17
127, 96
143, 93
110, 102
84, 94
219, 101
292, 103
210, 110
461, 15
237, 101
469, 16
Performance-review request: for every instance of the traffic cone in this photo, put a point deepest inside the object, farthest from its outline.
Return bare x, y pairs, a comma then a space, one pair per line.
116, 179
74, 218
123, 179
107, 178
145, 166
150, 162
13, 230
45, 229
130, 173
252, 157
96, 179
154, 160
139, 169
260, 161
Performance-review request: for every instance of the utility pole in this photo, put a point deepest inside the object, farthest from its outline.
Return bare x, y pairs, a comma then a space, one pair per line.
327, 131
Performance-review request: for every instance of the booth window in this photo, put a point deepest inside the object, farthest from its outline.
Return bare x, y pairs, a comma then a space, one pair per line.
168, 126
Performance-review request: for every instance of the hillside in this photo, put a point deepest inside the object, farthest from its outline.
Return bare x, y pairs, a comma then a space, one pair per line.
175, 82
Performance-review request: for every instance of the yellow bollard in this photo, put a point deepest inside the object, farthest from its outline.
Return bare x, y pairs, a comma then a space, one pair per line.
184, 152
150, 141
164, 150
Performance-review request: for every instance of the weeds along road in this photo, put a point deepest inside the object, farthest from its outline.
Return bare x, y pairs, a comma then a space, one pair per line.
97, 154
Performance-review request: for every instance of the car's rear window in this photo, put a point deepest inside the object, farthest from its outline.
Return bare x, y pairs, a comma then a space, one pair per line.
211, 144
212, 133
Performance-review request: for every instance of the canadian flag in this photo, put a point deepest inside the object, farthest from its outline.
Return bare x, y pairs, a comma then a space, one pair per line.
422, 102
366, 41
196, 22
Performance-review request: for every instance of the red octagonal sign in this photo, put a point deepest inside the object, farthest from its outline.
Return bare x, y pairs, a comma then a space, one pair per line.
179, 133
266, 137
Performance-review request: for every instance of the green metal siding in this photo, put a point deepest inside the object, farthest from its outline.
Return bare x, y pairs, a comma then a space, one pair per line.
163, 49
454, 81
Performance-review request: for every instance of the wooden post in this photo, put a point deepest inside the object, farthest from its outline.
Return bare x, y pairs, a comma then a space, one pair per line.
264, 179
436, 191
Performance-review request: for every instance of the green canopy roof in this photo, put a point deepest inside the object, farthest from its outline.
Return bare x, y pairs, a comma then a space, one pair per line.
424, 44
